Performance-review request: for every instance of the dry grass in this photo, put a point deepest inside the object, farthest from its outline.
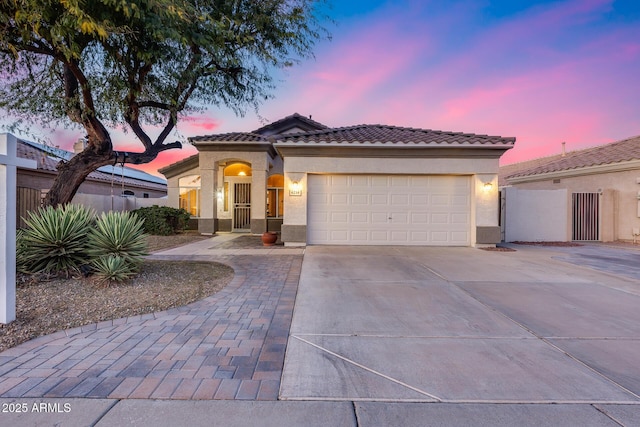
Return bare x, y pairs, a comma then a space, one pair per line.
46, 306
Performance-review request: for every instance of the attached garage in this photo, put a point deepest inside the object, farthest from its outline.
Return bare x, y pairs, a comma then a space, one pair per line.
389, 210
388, 185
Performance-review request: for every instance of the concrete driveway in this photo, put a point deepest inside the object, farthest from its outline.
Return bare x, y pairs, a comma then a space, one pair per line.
461, 325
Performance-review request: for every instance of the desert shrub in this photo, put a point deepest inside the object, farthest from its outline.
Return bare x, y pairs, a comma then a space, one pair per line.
113, 268
21, 248
54, 240
69, 239
163, 220
119, 234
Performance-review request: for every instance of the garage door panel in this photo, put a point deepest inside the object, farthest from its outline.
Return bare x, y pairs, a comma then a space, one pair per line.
360, 218
379, 236
459, 237
457, 218
339, 217
338, 180
339, 199
359, 236
400, 181
360, 199
396, 209
359, 180
419, 218
379, 199
400, 200
379, 217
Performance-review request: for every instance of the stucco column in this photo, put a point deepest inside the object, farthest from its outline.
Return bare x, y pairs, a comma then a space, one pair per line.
259, 171
206, 224
487, 209
294, 227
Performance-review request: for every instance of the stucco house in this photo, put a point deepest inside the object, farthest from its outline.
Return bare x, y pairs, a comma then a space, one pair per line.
585, 195
356, 185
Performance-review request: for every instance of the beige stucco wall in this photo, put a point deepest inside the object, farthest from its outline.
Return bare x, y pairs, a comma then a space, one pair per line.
619, 199
484, 202
536, 215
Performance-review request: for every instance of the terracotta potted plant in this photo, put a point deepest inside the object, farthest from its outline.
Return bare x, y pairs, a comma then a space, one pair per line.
269, 238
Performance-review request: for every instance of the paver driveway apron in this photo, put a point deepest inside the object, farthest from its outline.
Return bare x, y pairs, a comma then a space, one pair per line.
460, 325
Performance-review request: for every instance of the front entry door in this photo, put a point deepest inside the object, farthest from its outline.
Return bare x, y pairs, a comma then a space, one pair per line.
242, 206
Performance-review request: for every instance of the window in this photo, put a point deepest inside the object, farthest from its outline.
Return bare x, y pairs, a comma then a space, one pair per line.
145, 195
275, 196
189, 199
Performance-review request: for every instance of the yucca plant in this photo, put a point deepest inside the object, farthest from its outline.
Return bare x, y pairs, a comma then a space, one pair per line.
120, 234
113, 268
21, 251
54, 240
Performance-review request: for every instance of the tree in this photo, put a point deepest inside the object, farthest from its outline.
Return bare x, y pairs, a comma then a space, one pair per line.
140, 63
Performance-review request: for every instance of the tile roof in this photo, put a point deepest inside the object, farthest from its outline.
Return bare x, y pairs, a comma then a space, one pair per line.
615, 152
231, 137
393, 135
48, 158
513, 168
293, 117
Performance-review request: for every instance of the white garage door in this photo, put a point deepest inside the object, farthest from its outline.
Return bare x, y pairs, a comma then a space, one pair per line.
389, 210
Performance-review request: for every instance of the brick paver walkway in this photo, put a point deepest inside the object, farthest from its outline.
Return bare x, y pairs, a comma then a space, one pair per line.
228, 346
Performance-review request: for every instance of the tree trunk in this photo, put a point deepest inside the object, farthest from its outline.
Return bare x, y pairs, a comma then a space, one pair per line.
72, 173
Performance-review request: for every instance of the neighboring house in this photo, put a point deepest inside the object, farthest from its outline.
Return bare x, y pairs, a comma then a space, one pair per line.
106, 181
600, 193
357, 185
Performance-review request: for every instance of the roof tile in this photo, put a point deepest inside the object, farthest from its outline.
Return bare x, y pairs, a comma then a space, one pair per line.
392, 135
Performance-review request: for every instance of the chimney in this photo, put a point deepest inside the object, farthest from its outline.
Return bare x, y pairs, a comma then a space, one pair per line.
79, 146
564, 153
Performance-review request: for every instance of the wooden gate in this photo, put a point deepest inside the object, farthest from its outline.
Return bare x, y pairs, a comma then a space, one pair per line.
242, 206
28, 200
586, 216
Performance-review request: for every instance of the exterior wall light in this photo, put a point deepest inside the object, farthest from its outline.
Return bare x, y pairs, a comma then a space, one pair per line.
295, 188
220, 194
488, 186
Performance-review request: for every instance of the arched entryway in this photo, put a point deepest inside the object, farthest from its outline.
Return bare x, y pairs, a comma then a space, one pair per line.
237, 195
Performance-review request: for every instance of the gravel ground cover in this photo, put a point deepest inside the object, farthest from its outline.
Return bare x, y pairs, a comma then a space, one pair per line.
46, 305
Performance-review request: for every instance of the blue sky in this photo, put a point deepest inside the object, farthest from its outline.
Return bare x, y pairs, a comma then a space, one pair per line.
542, 71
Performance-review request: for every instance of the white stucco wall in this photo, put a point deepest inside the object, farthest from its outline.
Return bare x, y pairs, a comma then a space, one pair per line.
536, 215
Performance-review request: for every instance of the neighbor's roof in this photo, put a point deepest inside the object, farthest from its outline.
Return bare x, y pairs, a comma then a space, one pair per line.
513, 168
48, 157
615, 152
393, 136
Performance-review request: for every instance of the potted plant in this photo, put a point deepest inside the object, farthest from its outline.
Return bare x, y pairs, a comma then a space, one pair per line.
269, 238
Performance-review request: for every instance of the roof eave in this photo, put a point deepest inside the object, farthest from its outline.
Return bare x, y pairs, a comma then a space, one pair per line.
388, 151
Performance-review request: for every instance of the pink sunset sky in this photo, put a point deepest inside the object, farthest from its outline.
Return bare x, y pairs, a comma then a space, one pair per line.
544, 72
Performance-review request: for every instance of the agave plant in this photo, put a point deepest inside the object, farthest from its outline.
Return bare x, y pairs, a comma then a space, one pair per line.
113, 268
119, 234
54, 240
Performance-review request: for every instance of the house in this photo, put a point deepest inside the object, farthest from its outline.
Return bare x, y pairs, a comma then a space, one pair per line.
356, 185
596, 192
105, 181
